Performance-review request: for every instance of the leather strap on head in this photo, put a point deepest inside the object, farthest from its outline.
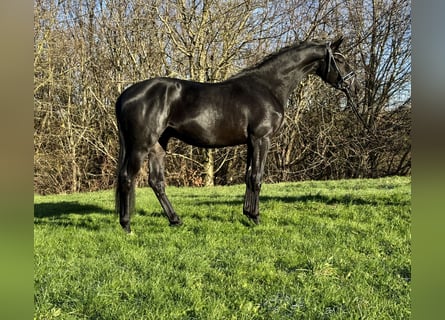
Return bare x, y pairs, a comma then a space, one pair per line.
330, 56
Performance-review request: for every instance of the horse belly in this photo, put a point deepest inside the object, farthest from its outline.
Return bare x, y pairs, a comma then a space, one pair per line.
212, 133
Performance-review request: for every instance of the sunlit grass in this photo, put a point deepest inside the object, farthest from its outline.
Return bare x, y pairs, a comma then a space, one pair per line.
323, 250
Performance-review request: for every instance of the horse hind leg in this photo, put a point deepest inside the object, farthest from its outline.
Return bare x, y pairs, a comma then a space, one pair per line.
125, 191
156, 181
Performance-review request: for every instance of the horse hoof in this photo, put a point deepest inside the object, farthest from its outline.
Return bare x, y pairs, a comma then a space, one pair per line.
127, 228
175, 223
255, 219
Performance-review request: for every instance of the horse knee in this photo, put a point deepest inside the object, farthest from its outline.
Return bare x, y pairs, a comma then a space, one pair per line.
255, 182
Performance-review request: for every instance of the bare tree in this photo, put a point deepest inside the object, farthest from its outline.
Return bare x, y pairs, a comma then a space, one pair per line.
86, 53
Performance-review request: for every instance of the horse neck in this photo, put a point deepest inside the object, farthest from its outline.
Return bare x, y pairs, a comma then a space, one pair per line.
284, 72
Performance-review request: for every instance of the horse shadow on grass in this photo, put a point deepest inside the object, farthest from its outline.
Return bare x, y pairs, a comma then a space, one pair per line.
346, 199
236, 203
59, 211
58, 214
46, 210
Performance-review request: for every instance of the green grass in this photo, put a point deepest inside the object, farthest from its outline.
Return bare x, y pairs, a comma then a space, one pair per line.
324, 250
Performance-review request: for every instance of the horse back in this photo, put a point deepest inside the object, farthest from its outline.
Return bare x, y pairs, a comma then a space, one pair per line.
218, 114
201, 114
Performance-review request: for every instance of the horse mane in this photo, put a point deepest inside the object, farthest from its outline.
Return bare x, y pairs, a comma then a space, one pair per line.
272, 56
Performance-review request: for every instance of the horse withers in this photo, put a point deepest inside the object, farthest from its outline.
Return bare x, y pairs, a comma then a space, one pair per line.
247, 108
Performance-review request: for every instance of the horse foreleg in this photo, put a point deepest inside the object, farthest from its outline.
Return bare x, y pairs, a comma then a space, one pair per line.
156, 181
257, 153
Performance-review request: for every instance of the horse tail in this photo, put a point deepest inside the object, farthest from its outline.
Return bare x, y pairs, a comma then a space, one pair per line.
121, 175
118, 193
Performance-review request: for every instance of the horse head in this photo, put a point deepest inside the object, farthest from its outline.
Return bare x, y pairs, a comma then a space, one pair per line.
335, 70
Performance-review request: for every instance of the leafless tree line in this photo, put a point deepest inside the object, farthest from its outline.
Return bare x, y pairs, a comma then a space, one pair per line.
87, 52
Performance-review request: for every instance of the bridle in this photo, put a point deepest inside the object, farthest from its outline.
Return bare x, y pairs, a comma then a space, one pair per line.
343, 85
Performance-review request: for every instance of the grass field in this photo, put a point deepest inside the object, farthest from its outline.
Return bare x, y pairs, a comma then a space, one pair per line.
324, 250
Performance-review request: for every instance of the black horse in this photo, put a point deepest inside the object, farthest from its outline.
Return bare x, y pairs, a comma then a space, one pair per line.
247, 108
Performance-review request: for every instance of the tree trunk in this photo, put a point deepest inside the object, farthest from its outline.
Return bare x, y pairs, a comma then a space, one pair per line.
209, 168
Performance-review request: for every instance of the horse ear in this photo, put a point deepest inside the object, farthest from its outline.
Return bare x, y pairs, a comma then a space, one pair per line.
336, 44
